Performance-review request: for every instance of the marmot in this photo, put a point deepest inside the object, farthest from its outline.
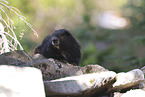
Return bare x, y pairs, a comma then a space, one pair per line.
61, 45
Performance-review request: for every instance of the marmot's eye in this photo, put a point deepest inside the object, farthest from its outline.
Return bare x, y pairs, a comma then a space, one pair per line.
55, 42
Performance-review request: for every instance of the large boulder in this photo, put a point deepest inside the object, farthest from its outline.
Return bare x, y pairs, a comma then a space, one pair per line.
20, 82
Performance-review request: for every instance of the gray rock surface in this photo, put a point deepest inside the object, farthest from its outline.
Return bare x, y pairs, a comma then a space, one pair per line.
94, 69
21, 77
17, 58
83, 85
127, 80
6, 60
20, 82
38, 57
143, 70
19, 55
142, 85
54, 69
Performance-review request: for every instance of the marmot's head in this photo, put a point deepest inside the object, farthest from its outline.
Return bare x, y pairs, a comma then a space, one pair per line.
60, 45
63, 40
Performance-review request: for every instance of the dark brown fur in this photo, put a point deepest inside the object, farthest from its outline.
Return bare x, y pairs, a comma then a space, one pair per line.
61, 45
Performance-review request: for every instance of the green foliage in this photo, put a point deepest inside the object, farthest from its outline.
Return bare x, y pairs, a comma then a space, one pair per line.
128, 43
10, 19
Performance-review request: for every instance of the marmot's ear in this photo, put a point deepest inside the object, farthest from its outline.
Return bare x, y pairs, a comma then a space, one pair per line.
66, 32
56, 42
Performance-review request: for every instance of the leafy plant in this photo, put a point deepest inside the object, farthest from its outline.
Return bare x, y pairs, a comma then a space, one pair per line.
8, 38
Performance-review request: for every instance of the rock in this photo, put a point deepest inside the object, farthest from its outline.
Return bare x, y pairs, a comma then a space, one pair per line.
127, 80
142, 85
94, 69
143, 70
23, 79
8, 60
82, 86
134, 93
54, 69
16, 58
118, 94
19, 55
20, 82
38, 57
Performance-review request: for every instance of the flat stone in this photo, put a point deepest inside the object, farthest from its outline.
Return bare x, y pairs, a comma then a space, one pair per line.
15, 58
134, 93
19, 55
83, 85
127, 80
21, 82
8, 60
